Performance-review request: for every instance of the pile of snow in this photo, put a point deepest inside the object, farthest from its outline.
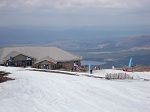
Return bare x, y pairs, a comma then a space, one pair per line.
34, 91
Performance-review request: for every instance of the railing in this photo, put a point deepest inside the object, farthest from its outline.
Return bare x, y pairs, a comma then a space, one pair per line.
111, 76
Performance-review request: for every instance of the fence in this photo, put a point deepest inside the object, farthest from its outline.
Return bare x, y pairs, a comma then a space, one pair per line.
118, 76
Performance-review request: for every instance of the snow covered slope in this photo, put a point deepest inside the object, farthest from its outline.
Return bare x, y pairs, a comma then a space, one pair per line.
33, 91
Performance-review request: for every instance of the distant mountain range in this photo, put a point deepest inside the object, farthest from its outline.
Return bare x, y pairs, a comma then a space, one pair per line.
138, 42
117, 52
102, 44
112, 51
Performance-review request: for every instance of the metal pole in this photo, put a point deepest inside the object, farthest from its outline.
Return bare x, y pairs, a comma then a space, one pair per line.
89, 68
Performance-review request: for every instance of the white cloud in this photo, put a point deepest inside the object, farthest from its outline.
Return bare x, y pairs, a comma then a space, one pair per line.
74, 3
74, 12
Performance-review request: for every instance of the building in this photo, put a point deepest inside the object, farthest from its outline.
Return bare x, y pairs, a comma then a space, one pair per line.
39, 57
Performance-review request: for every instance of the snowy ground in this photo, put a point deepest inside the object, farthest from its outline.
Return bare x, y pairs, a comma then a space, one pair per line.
135, 75
34, 91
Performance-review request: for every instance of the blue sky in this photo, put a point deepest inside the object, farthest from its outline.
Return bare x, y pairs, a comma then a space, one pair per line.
104, 15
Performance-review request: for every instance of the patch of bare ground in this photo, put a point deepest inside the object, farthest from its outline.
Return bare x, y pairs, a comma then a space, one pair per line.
142, 69
4, 76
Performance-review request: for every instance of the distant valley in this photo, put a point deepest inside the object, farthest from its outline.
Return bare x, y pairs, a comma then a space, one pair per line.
112, 51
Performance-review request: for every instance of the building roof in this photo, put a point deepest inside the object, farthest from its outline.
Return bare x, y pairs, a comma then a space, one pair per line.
39, 53
14, 54
46, 59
